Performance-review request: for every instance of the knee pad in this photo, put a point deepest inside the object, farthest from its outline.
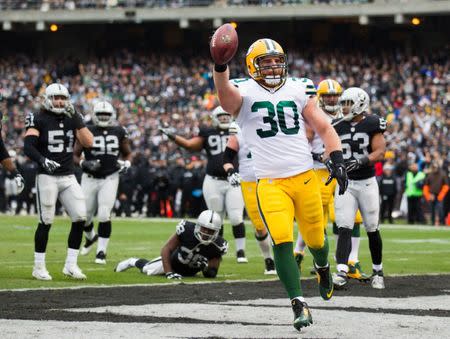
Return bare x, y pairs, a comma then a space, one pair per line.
371, 228
239, 231
261, 237
104, 229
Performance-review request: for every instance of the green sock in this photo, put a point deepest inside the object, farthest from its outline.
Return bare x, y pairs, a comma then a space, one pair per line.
287, 269
356, 233
321, 254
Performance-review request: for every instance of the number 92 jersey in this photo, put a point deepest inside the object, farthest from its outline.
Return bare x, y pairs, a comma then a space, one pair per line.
356, 142
56, 139
106, 148
273, 127
214, 143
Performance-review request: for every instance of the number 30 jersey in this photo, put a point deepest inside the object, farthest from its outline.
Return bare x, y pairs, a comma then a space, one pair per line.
356, 139
274, 129
56, 139
106, 148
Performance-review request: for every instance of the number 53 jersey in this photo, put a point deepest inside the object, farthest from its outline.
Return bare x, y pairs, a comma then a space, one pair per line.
356, 140
272, 125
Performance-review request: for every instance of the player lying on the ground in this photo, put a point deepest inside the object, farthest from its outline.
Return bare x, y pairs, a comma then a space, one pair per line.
193, 248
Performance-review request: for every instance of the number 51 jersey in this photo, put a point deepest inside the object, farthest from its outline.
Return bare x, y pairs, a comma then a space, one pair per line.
56, 139
274, 129
106, 148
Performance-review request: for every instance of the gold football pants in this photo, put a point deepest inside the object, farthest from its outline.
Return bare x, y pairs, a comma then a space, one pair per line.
282, 200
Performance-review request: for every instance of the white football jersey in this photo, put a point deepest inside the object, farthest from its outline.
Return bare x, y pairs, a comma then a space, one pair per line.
273, 127
246, 170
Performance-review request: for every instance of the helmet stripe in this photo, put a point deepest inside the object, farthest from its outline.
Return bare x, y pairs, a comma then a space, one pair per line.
212, 215
330, 86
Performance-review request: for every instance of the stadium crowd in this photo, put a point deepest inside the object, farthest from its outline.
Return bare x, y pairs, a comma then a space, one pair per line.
411, 92
46, 5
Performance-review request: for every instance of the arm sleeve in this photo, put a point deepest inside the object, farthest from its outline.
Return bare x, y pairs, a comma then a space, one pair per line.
79, 122
3, 152
30, 148
229, 155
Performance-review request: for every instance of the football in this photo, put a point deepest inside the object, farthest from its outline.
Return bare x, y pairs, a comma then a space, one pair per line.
223, 44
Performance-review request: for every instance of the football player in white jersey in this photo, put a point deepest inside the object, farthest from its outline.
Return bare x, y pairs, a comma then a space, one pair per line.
246, 179
328, 93
272, 110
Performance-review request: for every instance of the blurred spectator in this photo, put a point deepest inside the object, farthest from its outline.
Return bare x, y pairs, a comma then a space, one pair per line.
388, 191
434, 191
414, 186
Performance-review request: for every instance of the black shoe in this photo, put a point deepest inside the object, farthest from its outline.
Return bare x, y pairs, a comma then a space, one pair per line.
88, 245
240, 257
270, 267
302, 315
325, 281
100, 258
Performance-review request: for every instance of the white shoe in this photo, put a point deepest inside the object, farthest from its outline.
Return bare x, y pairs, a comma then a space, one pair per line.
378, 282
100, 258
240, 257
88, 245
125, 264
41, 273
74, 271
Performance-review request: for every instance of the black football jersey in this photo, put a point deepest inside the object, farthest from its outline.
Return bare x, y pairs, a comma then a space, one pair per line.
356, 139
56, 139
106, 148
215, 142
191, 249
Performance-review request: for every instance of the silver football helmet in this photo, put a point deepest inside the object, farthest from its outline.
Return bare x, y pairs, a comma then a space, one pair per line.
207, 227
53, 91
354, 101
220, 118
104, 114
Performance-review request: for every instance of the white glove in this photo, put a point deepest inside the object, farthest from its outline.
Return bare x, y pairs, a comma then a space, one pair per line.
233, 177
173, 276
20, 182
124, 165
49, 165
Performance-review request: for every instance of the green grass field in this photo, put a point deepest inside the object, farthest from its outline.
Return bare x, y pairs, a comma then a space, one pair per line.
407, 250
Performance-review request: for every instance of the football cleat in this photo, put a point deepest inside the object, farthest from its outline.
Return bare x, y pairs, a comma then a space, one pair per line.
41, 273
355, 272
270, 267
88, 245
100, 258
325, 281
73, 271
302, 315
340, 280
240, 257
378, 280
299, 258
125, 264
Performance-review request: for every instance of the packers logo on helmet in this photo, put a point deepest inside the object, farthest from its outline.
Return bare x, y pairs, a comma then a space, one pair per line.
271, 75
328, 92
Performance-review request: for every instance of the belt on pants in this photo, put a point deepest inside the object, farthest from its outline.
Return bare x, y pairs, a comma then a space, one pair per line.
218, 178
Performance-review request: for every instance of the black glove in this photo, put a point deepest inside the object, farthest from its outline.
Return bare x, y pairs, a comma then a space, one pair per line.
233, 177
90, 166
173, 276
317, 156
167, 131
354, 164
201, 263
49, 165
20, 182
336, 167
